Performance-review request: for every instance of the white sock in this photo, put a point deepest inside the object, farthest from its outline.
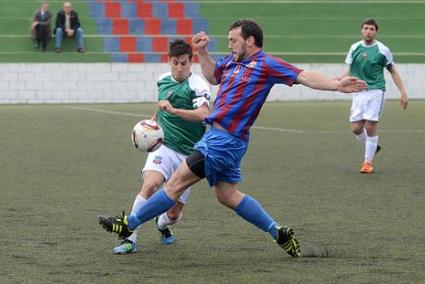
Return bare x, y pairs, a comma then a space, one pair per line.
371, 145
165, 221
138, 203
361, 137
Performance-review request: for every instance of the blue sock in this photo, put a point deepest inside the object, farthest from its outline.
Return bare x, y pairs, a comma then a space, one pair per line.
157, 204
253, 212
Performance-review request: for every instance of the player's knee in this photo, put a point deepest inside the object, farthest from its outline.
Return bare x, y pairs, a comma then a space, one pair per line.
173, 215
370, 129
357, 130
224, 198
230, 197
148, 188
196, 163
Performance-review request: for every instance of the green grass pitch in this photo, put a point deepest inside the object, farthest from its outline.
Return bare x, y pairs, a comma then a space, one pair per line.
61, 165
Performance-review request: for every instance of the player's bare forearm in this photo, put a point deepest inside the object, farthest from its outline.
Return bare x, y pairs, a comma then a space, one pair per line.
207, 66
316, 80
200, 41
399, 83
196, 115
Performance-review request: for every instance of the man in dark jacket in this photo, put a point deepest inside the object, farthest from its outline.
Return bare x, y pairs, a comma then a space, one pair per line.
40, 28
68, 24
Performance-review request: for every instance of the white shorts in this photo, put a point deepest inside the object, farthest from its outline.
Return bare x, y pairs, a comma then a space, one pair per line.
165, 161
367, 105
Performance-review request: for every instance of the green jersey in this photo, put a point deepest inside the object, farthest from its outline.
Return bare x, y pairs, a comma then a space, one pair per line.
179, 134
367, 62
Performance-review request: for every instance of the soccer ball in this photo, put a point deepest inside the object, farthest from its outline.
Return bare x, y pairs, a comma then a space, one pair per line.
147, 136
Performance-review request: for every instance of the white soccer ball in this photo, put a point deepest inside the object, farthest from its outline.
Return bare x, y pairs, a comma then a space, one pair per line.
147, 136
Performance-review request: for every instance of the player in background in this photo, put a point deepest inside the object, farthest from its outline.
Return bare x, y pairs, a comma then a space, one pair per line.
183, 105
245, 77
366, 60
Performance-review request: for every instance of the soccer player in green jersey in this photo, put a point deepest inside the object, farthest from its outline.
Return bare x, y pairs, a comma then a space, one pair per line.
183, 104
366, 60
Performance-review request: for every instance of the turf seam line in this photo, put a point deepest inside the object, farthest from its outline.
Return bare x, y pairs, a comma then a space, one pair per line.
108, 111
267, 128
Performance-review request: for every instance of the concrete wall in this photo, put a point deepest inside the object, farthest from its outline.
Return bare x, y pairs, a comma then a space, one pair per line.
121, 82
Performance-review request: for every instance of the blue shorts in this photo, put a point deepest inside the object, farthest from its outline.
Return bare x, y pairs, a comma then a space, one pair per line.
223, 154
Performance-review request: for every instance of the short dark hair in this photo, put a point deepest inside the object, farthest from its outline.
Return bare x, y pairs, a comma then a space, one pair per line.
249, 28
180, 47
371, 22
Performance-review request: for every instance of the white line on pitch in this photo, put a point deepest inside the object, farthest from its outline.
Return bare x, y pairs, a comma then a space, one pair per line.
379, 130
108, 111
276, 129
279, 129
143, 115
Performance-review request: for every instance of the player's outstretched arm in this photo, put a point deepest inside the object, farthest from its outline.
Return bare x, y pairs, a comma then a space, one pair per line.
399, 83
200, 42
318, 81
196, 115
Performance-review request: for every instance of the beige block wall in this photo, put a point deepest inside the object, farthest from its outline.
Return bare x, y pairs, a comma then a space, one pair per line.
121, 82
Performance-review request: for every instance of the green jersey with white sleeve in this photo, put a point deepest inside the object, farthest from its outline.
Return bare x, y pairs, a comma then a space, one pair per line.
367, 62
179, 134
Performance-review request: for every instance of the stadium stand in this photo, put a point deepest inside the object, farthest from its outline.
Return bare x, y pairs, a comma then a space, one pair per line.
139, 31
135, 30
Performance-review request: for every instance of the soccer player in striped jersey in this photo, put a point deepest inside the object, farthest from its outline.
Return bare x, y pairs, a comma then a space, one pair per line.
367, 60
245, 77
183, 105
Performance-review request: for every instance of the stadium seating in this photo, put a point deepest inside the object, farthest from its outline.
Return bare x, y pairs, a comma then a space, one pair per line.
139, 31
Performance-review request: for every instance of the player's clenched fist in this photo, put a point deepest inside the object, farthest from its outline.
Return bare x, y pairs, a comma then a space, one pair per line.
200, 40
165, 105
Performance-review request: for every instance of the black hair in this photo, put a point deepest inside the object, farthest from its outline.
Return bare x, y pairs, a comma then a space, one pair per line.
180, 47
249, 28
371, 22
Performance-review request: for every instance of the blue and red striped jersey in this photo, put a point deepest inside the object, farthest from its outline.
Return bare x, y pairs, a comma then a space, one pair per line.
244, 87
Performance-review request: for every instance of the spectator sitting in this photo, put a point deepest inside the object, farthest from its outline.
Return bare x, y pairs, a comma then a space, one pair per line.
68, 24
40, 28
